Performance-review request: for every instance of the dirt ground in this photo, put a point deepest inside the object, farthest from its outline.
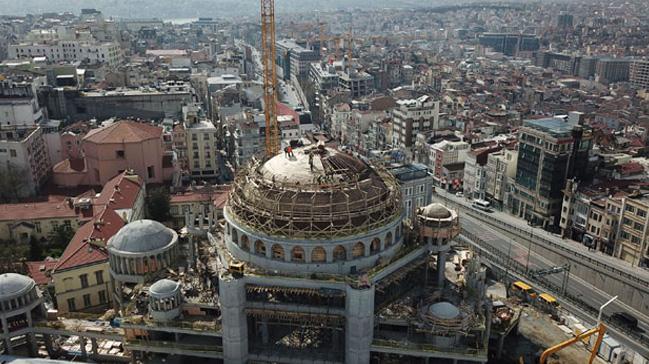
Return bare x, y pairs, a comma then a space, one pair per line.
541, 330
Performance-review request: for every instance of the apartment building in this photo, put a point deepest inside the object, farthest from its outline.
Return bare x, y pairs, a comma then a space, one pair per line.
69, 51
500, 173
413, 116
416, 183
24, 158
550, 151
632, 243
639, 74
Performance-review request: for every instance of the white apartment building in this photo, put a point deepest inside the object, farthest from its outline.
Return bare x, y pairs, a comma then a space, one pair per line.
413, 116
639, 74
23, 152
18, 104
447, 152
69, 51
202, 154
501, 170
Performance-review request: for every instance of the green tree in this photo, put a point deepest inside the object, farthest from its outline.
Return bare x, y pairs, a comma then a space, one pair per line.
158, 204
35, 249
12, 181
60, 237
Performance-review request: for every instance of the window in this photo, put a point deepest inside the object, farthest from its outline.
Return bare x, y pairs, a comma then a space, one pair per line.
86, 300
37, 225
150, 170
120, 154
102, 297
629, 208
638, 226
626, 221
84, 280
99, 276
12, 152
635, 239
641, 213
71, 305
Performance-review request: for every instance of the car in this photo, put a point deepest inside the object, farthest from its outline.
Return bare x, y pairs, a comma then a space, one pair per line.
625, 319
459, 194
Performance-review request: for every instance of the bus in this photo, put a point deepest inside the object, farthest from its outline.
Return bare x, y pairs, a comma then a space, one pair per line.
523, 291
482, 205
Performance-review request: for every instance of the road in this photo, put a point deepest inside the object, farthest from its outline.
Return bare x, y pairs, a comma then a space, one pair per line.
520, 251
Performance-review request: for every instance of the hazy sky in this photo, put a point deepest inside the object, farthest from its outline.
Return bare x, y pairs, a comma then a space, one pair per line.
171, 9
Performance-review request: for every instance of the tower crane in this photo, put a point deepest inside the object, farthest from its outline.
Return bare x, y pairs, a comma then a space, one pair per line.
270, 76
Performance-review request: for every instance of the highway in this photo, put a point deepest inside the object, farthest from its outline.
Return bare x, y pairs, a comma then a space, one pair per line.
523, 253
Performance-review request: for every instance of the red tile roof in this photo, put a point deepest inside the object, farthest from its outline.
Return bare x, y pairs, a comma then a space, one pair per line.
121, 192
41, 276
123, 132
70, 165
88, 246
37, 210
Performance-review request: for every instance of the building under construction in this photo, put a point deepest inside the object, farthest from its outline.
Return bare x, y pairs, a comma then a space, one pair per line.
312, 263
316, 265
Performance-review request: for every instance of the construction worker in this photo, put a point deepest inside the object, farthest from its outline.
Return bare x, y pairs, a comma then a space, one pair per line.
290, 151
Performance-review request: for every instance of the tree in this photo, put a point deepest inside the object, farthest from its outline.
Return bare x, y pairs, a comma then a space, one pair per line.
61, 236
35, 249
158, 204
12, 182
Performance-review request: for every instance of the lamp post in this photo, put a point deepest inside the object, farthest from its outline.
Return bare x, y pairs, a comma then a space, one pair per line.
601, 330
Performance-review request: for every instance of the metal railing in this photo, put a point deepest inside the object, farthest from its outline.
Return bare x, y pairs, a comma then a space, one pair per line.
538, 240
493, 254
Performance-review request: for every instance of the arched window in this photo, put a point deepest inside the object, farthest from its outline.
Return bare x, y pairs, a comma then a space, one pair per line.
260, 248
398, 233
318, 255
245, 243
358, 250
227, 228
388, 239
376, 246
340, 254
278, 252
297, 254
235, 236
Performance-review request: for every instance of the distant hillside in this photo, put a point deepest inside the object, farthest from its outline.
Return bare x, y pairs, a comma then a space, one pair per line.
173, 9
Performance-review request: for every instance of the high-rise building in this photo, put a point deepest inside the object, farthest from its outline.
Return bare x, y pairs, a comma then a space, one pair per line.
550, 151
413, 116
609, 70
639, 74
565, 20
510, 44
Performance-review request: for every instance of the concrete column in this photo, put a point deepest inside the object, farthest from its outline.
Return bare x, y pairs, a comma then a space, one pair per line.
264, 331
95, 347
441, 265
8, 349
235, 325
48, 343
359, 326
82, 345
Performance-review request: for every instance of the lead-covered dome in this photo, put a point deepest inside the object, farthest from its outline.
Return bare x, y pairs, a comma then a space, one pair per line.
164, 288
316, 193
435, 211
142, 236
13, 284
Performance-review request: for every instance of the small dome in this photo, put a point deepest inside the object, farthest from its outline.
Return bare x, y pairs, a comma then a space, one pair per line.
435, 211
142, 236
12, 284
444, 310
164, 288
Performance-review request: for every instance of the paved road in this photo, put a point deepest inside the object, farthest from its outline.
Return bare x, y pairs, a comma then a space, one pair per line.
519, 250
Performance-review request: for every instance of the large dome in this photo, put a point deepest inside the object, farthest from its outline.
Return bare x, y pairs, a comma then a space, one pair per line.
12, 284
317, 193
142, 236
444, 310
